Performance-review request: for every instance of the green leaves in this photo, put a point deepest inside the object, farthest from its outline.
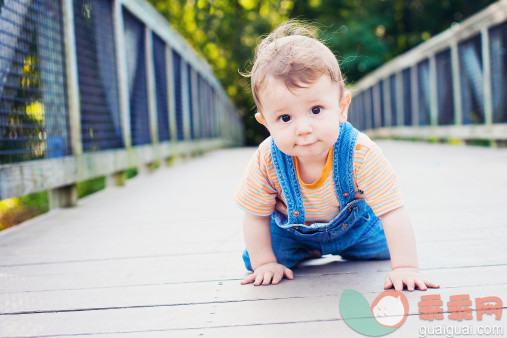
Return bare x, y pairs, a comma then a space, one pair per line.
363, 34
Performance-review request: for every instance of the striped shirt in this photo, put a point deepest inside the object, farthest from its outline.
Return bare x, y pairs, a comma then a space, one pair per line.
260, 192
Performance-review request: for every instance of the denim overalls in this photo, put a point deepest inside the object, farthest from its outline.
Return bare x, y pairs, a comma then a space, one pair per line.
355, 233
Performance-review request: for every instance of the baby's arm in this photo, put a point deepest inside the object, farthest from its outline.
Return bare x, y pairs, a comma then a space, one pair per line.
401, 242
262, 258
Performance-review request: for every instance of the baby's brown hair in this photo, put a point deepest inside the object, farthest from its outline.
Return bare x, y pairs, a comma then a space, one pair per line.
293, 55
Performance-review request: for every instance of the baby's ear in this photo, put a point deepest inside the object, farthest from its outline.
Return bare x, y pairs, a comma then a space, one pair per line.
344, 106
260, 119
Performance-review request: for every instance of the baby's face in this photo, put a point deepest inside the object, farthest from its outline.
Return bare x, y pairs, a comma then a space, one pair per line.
304, 122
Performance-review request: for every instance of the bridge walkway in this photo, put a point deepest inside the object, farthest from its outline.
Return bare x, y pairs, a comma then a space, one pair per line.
161, 256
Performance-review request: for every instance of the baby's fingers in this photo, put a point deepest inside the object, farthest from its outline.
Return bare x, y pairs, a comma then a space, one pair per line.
431, 284
420, 284
410, 284
288, 273
267, 278
259, 278
249, 279
277, 277
398, 284
388, 284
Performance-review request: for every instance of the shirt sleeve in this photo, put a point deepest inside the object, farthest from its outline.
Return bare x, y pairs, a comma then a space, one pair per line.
256, 193
376, 178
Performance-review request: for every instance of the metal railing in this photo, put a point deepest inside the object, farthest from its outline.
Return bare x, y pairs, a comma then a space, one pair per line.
453, 86
90, 88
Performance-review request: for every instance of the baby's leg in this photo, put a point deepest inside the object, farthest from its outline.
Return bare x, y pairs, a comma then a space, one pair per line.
288, 250
373, 245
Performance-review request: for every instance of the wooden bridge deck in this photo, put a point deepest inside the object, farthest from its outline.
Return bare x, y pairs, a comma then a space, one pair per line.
162, 255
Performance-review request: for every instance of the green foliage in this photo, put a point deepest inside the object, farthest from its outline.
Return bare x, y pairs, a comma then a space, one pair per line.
480, 142
226, 33
131, 172
88, 187
19, 209
364, 34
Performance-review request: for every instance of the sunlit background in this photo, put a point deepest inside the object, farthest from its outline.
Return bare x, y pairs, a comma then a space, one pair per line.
363, 34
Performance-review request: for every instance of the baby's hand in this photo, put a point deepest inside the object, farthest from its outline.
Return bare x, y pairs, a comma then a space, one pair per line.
271, 272
398, 277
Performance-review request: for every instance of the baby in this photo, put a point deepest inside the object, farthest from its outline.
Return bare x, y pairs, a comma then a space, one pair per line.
317, 185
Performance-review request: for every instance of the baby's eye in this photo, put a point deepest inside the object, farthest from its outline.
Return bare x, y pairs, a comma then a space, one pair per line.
284, 118
316, 110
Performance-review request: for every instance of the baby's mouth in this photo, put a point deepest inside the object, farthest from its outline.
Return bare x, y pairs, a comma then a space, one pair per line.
307, 144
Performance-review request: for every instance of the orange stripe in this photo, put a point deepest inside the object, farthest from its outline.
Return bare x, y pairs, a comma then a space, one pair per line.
254, 178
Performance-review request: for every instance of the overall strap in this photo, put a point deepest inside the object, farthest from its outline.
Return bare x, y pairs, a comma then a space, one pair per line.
343, 157
286, 172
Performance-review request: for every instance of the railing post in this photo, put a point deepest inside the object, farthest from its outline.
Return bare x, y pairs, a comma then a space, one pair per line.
195, 104
456, 83
171, 108
376, 106
121, 57
215, 111
119, 178
152, 107
171, 94
150, 81
400, 119
387, 102
116, 179
72, 79
222, 125
367, 105
486, 61
66, 196
433, 91
184, 99
413, 93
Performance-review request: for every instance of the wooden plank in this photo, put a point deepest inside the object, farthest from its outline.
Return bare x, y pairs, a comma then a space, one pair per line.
148, 290
235, 313
130, 259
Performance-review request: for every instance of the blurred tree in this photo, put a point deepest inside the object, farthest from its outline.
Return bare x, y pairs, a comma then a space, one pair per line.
364, 34
226, 33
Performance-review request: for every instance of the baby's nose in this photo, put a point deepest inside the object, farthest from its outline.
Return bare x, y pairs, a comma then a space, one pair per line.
303, 127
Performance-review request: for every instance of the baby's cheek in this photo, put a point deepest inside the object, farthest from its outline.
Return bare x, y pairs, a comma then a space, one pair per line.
283, 143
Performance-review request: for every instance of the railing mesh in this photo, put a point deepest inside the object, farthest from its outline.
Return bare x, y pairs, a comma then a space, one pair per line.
471, 79
423, 92
213, 115
204, 104
381, 103
178, 100
498, 54
393, 100
445, 92
407, 97
370, 107
208, 110
98, 86
190, 99
159, 56
33, 104
136, 71
200, 101
361, 112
